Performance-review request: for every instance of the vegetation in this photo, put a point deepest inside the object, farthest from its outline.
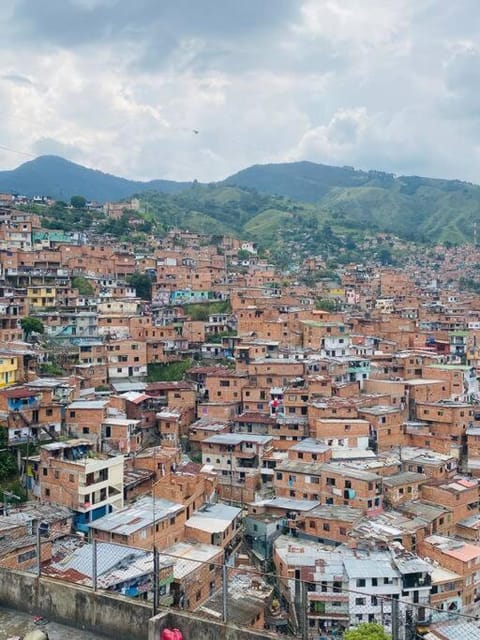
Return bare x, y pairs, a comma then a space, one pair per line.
202, 310
157, 372
84, 286
61, 179
31, 325
367, 631
51, 369
325, 304
142, 284
78, 202
294, 209
469, 284
216, 338
8, 464
60, 216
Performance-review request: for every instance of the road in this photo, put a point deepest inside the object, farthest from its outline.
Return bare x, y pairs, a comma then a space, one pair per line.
15, 623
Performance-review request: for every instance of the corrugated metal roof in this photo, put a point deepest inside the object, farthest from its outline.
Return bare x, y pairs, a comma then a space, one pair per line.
137, 516
375, 566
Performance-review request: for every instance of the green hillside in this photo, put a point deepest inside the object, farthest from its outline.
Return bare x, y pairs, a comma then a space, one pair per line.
434, 211
270, 202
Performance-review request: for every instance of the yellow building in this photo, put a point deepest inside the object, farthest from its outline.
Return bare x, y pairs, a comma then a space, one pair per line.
8, 370
41, 297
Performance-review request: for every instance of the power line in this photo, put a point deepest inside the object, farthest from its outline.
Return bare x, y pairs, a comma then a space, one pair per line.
339, 590
21, 153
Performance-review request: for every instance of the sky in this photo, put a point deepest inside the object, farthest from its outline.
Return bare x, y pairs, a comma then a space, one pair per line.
122, 85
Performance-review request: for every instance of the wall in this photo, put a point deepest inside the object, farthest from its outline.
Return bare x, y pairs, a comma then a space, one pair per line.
194, 628
115, 616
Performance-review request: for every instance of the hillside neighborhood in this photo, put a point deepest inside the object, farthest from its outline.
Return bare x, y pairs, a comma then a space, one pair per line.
187, 422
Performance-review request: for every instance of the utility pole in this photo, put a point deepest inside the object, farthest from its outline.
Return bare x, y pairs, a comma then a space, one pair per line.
395, 620
225, 593
303, 612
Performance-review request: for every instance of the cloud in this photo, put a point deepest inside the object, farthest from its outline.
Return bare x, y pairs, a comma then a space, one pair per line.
50, 146
120, 85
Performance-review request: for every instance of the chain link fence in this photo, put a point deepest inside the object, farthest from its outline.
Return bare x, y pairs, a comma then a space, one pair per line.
192, 577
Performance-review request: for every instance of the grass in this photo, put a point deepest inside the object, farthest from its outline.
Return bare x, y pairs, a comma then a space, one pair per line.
201, 310
157, 372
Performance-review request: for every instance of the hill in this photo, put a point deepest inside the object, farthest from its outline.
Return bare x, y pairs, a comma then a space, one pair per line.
262, 200
306, 181
60, 179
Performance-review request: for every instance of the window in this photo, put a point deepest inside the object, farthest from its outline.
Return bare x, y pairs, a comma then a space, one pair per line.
49, 412
27, 555
47, 493
326, 526
374, 582
45, 471
360, 601
56, 475
361, 582
72, 414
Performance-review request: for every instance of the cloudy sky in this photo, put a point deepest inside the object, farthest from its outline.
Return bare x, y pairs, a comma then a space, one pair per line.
120, 85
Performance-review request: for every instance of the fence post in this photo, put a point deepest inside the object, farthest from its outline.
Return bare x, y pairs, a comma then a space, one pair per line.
39, 553
155, 580
224, 593
94, 564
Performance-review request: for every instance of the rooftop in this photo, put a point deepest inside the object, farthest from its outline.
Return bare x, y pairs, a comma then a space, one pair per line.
287, 504
88, 404
404, 477
139, 515
237, 438
214, 518
189, 556
455, 548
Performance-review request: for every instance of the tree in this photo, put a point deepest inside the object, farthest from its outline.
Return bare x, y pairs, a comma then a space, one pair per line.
83, 285
31, 325
142, 284
385, 256
78, 202
367, 631
325, 304
243, 254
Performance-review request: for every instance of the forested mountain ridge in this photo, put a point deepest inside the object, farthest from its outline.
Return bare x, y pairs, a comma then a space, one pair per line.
265, 200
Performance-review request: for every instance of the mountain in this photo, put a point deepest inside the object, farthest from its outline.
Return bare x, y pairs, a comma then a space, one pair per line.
268, 200
61, 179
305, 181
409, 206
